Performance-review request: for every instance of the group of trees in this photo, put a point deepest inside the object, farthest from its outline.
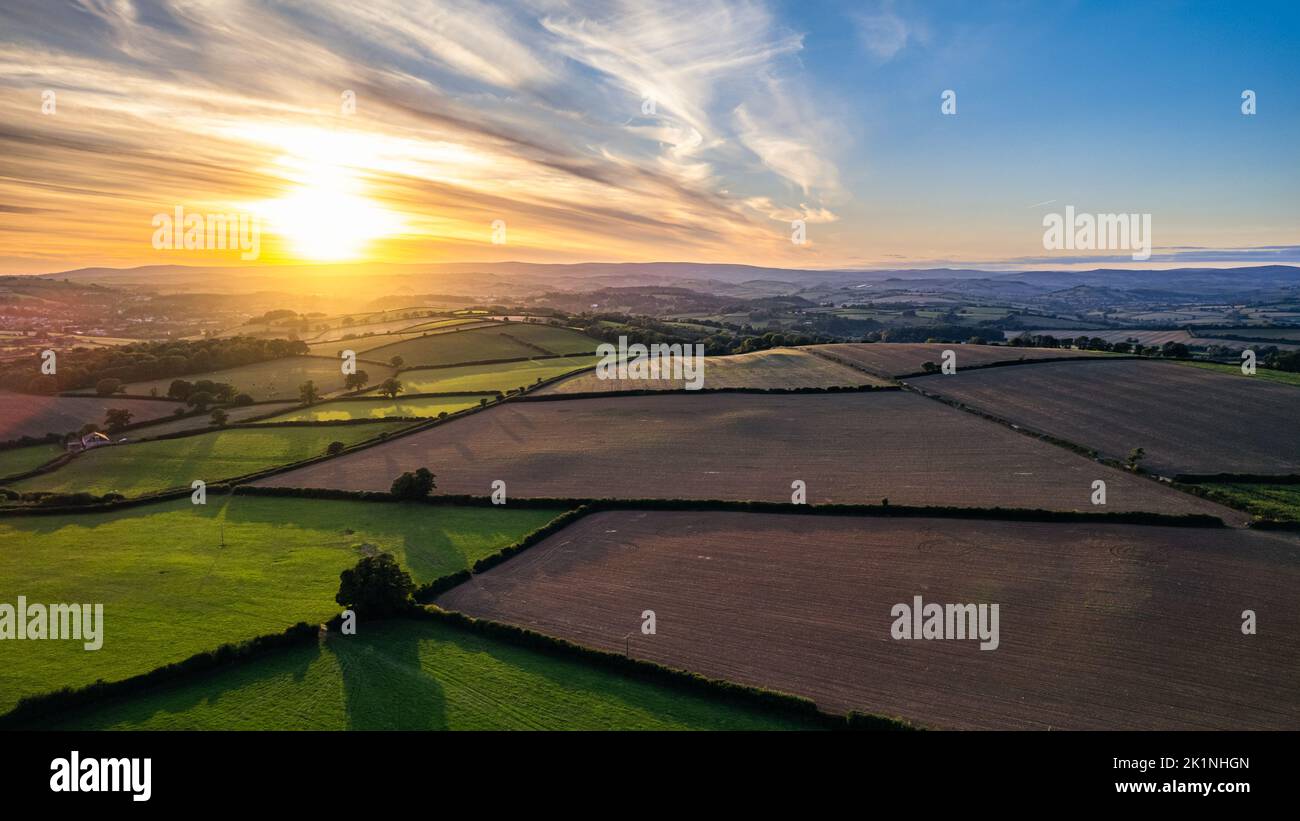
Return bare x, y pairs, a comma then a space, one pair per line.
204, 392
142, 361
1268, 356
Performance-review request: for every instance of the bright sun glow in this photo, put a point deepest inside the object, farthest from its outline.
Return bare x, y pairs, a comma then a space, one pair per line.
327, 217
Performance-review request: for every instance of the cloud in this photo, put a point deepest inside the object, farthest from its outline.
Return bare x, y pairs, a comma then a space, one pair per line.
882, 32
531, 111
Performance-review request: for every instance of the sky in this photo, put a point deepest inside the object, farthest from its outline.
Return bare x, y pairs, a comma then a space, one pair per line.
791, 134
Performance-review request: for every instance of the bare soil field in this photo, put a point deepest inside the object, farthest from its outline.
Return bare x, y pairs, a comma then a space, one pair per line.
28, 415
776, 368
900, 359
1188, 420
1100, 626
848, 448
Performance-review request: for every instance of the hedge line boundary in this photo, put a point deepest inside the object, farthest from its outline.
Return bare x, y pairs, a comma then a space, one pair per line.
773, 702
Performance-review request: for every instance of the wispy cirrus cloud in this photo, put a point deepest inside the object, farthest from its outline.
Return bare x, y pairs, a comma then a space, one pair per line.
465, 112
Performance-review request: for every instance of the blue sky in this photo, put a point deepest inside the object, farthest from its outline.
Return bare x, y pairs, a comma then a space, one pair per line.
534, 113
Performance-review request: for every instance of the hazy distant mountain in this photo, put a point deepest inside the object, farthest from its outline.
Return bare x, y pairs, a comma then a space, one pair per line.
512, 279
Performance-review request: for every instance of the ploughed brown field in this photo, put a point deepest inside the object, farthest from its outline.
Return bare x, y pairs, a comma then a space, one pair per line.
902, 359
1101, 626
1188, 420
776, 368
28, 415
847, 448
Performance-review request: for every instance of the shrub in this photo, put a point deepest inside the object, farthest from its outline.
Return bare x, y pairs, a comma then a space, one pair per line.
334, 448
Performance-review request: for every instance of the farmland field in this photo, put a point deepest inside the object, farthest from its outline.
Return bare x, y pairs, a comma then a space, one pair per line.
417, 675
151, 466
901, 359
28, 415
776, 368
848, 448
21, 460
453, 347
804, 604
1268, 374
420, 406
364, 344
1188, 420
161, 570
1279, 502
273, 379
203, 420
501, 376
562, 341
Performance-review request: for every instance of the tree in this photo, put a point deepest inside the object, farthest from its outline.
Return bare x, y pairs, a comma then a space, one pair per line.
929, 367
308, 393
397, 361
1135, 456
220, 417
391, 387
354, 381
200, 400
415, 485
117, 418
108, 386
334, 448
180, 389
376, 587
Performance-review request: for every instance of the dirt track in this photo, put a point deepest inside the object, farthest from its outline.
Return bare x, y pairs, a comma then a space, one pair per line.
1188, 420
1101, 626
848, 448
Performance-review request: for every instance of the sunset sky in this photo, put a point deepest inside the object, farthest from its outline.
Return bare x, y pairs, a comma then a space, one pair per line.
537, 112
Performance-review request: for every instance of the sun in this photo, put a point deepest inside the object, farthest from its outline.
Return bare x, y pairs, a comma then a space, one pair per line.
327, 217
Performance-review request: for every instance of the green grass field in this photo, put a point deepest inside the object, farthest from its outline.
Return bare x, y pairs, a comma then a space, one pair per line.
273, 379
1280, 502
170, 589
556, 340
497, 341
1285, 377
502, 377
21, 460
148, 467
428, 406
415, 675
